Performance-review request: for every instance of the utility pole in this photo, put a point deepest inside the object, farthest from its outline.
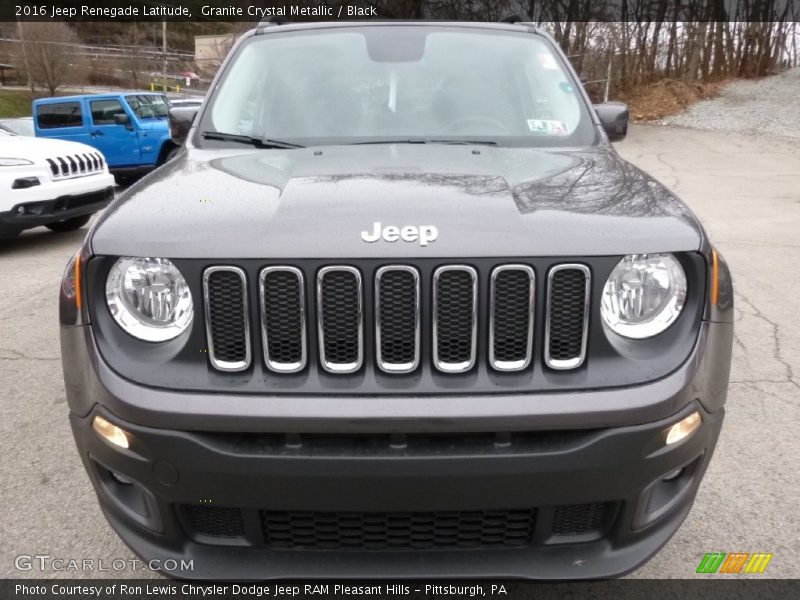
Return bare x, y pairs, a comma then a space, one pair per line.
164, 53
25, 56
608, 73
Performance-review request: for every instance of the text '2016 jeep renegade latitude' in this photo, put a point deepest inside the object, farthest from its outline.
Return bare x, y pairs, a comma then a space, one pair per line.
405, 313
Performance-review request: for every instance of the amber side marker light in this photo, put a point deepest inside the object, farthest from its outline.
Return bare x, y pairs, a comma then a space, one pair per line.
111, 433
714, 277
77, 276
683, 428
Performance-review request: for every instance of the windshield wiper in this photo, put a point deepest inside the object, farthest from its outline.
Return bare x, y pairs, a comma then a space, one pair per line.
465, 142
246, 139
397, 141
414, 140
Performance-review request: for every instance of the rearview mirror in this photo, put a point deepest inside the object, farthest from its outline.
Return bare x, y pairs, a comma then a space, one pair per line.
614, 119
180, 122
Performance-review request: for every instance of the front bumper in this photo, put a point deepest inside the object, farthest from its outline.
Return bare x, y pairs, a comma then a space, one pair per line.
331, 494
241, 507
29, 214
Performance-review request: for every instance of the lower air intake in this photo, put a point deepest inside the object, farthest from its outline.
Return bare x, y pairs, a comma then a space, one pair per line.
581, 519
398, 530
215, 521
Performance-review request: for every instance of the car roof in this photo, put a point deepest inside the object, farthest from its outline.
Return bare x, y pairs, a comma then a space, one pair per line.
519, 26
76, 97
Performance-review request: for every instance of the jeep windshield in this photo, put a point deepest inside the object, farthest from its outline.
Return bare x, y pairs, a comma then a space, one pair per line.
148, 106
397, 83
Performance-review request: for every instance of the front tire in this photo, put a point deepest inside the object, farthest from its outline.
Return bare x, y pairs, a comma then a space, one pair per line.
69, 224
171, 154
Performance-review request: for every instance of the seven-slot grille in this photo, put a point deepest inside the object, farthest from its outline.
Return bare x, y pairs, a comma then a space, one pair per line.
76, 165
396, 321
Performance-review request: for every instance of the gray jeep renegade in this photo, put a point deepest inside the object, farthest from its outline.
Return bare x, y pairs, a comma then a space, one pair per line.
397, 309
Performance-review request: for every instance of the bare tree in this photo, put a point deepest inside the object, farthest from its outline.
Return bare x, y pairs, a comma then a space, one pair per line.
137, 62
46, 47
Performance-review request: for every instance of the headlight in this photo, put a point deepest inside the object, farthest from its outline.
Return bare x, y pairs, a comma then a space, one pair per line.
14, 162
644, 295
149, 298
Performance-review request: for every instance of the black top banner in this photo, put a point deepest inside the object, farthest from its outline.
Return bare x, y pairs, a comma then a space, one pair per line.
459, 10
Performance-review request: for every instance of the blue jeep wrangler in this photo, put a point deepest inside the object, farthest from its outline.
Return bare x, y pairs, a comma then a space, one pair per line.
129, 128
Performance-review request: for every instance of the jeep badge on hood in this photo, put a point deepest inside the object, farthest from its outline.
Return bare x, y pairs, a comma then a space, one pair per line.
407, 233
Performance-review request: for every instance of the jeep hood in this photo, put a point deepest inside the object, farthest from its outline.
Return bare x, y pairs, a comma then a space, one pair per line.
315, 202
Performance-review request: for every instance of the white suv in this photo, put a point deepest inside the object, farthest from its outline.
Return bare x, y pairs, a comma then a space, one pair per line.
49, 182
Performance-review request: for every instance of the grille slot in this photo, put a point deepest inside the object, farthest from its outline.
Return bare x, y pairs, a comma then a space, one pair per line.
566, 327
397, 317
283, 319
341, 319
227, 318
398, 530
581, 519
216, 521
511, 317
455, 327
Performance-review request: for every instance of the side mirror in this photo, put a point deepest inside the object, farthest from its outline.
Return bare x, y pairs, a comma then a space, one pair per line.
614, 119
123, 119
180, 122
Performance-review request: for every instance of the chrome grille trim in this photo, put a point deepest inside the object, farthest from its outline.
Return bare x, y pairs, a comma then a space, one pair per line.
397, 368
222, 365
573, 363
284, 367
75, 165
451, 367
510, 366
332, 367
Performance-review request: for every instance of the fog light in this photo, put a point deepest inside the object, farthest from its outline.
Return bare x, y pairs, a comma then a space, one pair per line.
25, 182
111, 433
683, 428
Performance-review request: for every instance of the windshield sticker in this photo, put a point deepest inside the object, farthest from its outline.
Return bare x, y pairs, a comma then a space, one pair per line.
565, 87
547, 126
548, 61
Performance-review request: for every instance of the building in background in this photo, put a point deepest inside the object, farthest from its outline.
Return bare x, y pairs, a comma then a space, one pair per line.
210, 51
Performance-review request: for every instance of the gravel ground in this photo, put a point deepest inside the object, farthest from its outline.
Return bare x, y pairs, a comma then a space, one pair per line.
765, 106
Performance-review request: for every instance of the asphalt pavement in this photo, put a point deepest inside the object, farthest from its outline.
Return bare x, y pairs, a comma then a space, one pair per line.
745, 189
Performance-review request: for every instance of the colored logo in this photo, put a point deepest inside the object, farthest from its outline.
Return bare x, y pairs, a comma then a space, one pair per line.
734, 562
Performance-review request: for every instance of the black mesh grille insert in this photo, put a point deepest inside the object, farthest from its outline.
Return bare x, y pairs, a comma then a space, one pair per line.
567, 305
398, 530
454, 314
283, 316
217, 521
397, 307
340, 303
581, 519
226, 316
511, 316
